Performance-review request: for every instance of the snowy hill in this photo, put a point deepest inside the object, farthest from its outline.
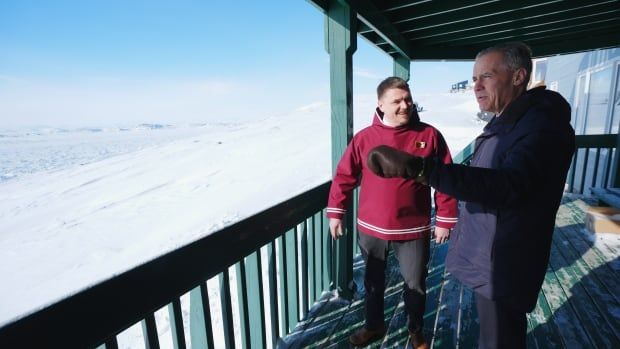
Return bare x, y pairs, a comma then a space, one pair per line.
85, 206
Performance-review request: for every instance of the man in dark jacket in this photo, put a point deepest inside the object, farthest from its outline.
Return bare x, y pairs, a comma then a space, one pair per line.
509, 195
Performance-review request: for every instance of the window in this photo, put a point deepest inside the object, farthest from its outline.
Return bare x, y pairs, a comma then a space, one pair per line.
598, 101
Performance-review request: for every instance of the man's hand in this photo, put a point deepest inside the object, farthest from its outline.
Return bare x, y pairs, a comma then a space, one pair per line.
441, 235
335, 228
388, 162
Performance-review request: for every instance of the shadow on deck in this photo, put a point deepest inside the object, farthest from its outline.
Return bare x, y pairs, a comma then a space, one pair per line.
578, 307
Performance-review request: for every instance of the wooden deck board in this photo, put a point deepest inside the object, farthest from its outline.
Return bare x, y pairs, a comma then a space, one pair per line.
397, 331
589, 289
393, 299
578, 301
469, 326
543, 332
578, 306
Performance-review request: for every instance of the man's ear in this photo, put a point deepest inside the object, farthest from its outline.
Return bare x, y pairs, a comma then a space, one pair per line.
518, 77
380, 105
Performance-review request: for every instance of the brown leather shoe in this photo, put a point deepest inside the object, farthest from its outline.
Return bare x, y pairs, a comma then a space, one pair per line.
364, 336
417, 341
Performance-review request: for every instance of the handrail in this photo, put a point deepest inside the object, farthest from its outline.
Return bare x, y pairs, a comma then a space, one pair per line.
465, 155
596, 141
592, 164
583, 144
91, 316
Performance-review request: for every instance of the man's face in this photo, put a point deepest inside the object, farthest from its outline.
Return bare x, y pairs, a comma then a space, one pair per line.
396, 105
495, 85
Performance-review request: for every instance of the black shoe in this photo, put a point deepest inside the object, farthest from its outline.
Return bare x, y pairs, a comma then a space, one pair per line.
364, 336
417, 340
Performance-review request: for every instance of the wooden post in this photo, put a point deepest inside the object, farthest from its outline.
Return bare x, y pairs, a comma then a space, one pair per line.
340, 42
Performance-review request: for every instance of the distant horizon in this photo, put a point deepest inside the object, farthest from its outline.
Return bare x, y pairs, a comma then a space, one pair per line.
70, 63
364, 99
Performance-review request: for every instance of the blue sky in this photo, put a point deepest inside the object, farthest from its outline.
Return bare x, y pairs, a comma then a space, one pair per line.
89, 62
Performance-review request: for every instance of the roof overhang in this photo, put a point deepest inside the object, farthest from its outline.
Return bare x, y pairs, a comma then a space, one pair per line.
457, 30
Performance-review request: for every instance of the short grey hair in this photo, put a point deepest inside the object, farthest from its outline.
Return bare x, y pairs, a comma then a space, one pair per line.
516, 55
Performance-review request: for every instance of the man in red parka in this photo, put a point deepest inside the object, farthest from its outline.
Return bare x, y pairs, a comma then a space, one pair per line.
392, 211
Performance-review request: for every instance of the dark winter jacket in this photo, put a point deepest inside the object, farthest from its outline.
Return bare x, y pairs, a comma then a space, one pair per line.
391, 208
509, 197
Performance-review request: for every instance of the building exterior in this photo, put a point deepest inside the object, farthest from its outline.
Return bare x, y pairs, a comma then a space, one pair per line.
590, 81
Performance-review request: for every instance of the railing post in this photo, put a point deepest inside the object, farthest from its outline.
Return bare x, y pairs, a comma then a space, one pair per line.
615, 170
340, 42
402, 67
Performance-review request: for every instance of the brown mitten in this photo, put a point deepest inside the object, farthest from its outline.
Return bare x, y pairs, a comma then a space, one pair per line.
390, 162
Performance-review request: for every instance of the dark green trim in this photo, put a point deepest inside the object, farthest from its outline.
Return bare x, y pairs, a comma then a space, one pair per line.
465, 155
327, 272
318, 253
256, 308
402, 67
381, 25
273, 294
176, 324
242, 303
311, 262
341, 44
112, 343
457, 31
292, 279
149, 331
201, 332
283, 287
558, 13
615, 169
227, 316
304, 269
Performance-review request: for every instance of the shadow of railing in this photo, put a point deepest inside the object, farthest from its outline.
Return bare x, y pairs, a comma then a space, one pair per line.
586, 311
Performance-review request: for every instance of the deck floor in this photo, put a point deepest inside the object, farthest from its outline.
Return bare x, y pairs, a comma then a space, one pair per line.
578, 307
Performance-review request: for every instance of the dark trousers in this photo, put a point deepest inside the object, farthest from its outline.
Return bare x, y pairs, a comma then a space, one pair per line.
500, 326
412, 258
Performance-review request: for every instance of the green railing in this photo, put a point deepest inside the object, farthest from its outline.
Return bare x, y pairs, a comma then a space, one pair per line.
593, 164
291, 238
465, 155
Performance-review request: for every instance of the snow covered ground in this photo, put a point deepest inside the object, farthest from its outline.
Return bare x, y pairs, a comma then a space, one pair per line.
80, 206
27, 151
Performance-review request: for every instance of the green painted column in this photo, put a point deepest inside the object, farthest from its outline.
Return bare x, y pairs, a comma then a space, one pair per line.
340, 43
402, 67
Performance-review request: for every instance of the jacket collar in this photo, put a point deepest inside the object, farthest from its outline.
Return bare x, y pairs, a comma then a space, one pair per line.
514, 110
517, 108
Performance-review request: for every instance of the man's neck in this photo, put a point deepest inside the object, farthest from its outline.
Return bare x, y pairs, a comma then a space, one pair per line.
512, 100
390, 122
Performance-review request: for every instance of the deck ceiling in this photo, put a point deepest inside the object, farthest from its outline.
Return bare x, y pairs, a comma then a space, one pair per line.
457, 30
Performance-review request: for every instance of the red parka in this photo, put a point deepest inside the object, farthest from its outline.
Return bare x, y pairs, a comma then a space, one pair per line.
391, 208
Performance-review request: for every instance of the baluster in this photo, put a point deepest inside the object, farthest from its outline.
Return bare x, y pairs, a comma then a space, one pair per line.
176, 324
304, 269
273, 292
583, 172
227, 317
149, 331
201, 330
